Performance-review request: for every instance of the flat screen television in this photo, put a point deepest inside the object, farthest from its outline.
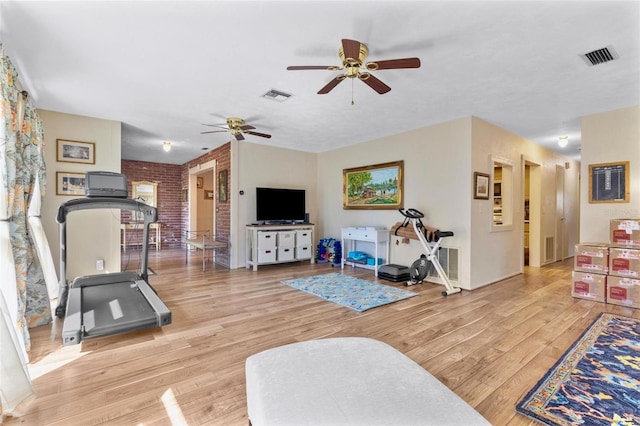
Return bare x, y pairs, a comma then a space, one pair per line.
279, 205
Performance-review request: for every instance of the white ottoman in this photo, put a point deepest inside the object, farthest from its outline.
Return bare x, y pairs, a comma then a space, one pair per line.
348, 381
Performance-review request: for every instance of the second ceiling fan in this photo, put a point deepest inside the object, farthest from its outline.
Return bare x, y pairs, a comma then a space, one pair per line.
236, 126
352, 53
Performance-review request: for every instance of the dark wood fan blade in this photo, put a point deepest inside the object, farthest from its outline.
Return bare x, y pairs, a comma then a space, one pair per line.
394, 64
246, 127
309, 67
351, 48
262, 135
213, 131
376, 84
333, 83
239, 137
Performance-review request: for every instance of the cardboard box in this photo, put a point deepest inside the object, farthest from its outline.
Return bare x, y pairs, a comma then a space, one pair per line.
624, 262
589, 286
623, 291
592, 257
625, 233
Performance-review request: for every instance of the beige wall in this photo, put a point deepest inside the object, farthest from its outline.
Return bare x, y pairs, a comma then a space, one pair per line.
90, 234
612, 136
497, 252
438, 180
260, 165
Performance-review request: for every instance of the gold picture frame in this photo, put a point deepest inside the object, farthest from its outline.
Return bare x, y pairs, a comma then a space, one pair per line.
609, 182
377, 187
199, 182
481, 186
68, 151
208, 194
70, 183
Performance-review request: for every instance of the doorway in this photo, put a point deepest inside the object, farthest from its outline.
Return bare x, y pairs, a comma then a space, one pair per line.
527, 191
202, 214
532, 212
561, 231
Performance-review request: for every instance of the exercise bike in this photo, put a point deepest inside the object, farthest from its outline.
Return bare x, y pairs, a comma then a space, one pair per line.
431, 243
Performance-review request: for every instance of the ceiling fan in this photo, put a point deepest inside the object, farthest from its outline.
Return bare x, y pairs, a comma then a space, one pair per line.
237, 127
352, 53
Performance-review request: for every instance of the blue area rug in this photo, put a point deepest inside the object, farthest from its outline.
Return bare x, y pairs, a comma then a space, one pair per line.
350, 292
596, 382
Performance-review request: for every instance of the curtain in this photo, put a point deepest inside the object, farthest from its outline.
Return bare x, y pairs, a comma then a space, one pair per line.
29, 172
24, 300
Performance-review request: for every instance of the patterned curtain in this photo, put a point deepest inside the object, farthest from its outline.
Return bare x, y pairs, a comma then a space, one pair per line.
23, 292
29, 170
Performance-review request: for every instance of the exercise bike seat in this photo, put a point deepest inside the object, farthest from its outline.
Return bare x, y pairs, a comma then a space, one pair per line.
441, 234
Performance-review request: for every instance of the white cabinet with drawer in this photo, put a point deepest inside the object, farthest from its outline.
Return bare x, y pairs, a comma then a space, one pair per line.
373, 241
267, 244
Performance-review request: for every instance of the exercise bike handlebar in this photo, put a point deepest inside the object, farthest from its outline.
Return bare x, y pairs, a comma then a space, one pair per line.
411, 213
416, 214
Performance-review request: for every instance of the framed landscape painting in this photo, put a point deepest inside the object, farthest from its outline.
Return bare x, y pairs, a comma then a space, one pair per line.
378, 186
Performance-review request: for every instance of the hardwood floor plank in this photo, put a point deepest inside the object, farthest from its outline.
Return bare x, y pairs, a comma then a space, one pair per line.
490, 345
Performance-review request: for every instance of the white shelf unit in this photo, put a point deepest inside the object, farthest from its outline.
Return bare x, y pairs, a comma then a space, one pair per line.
269, 244
378, 237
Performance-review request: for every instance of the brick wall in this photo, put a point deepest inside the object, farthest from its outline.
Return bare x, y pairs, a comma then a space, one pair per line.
170, 209
173, 213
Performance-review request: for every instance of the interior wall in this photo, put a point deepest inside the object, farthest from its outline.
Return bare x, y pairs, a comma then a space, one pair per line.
437, 181
91, 234
609, 137
493, 252
264, 166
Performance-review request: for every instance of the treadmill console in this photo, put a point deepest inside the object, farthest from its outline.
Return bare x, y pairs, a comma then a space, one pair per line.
105, 184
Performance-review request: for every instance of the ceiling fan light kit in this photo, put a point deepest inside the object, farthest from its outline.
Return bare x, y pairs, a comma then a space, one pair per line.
237, 127
353, 54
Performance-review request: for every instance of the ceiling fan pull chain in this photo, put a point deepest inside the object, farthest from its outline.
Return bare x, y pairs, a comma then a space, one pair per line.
352, 102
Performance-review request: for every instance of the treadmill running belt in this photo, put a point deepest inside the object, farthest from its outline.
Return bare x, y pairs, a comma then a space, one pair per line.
114, 308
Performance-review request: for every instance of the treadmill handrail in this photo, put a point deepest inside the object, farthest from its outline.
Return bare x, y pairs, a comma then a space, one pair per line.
150, 213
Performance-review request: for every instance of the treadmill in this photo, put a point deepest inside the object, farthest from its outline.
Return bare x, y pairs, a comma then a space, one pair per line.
107, 304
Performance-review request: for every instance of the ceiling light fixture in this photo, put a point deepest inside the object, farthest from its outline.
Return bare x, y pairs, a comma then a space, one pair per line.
166, 146
563, 141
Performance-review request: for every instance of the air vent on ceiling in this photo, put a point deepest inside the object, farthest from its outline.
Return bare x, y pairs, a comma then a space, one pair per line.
276, 95
600, 56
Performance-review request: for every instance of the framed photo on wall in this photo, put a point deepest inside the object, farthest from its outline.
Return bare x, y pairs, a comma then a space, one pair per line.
70, 183
75, 151
378, 186
609, 183
480, 186
223, 175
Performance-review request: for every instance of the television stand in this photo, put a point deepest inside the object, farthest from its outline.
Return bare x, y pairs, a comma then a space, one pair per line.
270, 244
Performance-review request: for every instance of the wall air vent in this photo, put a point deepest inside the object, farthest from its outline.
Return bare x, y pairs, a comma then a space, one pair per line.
276, 95
600, 56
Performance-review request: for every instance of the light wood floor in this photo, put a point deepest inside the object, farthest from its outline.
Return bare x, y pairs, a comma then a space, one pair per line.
490, 346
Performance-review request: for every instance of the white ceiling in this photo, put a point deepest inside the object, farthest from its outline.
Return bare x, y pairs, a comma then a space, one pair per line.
166, 68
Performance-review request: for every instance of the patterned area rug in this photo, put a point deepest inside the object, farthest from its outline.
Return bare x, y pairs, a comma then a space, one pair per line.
350, 292
596, 382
